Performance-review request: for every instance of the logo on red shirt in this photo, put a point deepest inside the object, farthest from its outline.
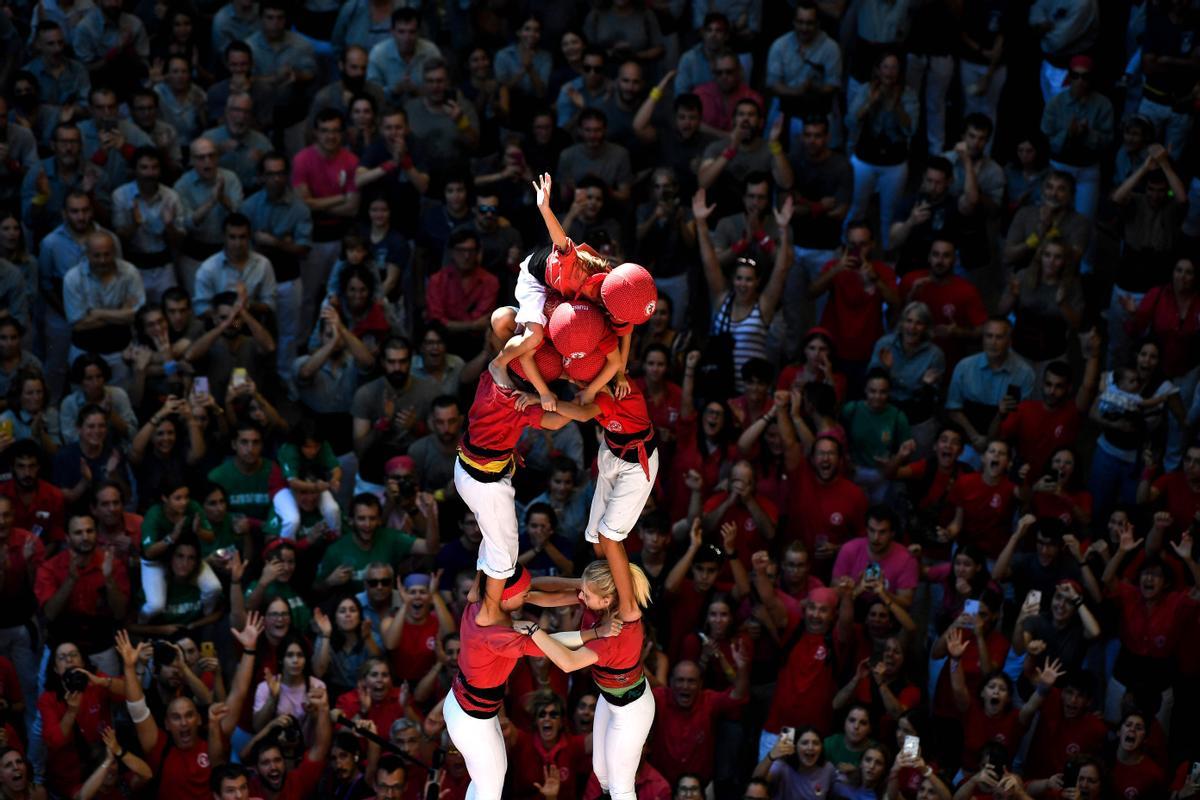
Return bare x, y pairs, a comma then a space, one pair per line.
995, 501
1131, 792
202, 760
820, 653
615, 426
1058, 431
836, 518
431, 643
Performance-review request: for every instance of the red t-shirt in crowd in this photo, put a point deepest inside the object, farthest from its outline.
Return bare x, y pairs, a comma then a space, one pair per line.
1039, 431
17, 603
456, 297
1179, 500
683, 739
987, 511
416, 652
45, 511
807, 682
664, 411
1005, 729
943, 697
383, 712
1142, 781
1057, 739
530, 757
64, 771
954, 301
854, 313
749, 538
184, 773
685, 607
298, 783
835, 512
494, 425
1048, 504
688, 457
1152, 632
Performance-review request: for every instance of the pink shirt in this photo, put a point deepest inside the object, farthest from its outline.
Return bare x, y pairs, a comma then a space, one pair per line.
325, 177
898, 565
716, 110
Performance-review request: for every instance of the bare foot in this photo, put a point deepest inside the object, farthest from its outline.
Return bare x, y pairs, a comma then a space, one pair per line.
500, 375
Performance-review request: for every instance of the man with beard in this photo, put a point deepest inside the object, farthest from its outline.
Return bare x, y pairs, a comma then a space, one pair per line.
753, 233
898, 571
352, 69
1039, 427
100, 297
185, 765
594, 156
684, 738
144, 110
931, 213
956, 305
412, 633
728, 161
1054, 218
249, 479
388, 411
227, 347
621, 106
345, 779
273, 779
38, 505
241, 147
45, 188
82, 591
434, 453
347, 559
110, 140
62, 81
442, 119
394, 171
397, 64
681, 143
149, 218
827, 507
696, 64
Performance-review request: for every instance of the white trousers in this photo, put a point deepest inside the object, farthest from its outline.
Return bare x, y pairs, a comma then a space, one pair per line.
289, 513
495, 510
481, 743
620, 496
618, 734
530, 295
154, 587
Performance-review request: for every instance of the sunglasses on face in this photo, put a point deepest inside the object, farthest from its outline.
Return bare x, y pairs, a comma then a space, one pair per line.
487, 209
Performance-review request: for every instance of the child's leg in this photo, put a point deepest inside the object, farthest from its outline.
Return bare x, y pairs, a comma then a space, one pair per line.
504, 323
525, 342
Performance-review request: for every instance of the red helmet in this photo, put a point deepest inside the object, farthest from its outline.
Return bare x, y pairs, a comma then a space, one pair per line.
548, 361
576, 328
629, 293
585, 368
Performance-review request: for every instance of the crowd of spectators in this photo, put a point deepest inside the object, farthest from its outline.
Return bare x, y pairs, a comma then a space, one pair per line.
923, 373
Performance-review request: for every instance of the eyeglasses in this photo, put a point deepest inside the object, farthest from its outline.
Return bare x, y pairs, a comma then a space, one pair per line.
377, 581
593, 68
487, 209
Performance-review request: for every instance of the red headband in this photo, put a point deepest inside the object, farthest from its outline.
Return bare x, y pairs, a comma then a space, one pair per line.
521, 584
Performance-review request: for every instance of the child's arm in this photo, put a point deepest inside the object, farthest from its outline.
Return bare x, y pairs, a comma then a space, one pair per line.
558, 236
546, 397
1154, 402
522, 344
622, 387
611, 365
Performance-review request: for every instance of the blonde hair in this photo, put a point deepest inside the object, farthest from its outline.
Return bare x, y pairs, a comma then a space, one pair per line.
598, 575
593, 262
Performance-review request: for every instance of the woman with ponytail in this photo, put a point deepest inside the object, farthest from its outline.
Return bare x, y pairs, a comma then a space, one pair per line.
613, 594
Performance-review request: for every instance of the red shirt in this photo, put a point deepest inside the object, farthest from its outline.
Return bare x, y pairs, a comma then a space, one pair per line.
1057, 739
835, 512
531, 756
718, 110
416, 651
714, 676
494, 425
487, 658
943, 697
987, 511
664, 411
1047, 504
298, 783
1005, 730
1133, 781
682, 739
16, 598
452, 296
749, 539
86, 614
1159, 311
648, 784
1152, 632
64, 771
807, 682
687, 457
325, 177
571, 278
1177, 498
952, 301
1039, 431
185, 773
45, 510
383, 712
619, 663
854, 313
10, 684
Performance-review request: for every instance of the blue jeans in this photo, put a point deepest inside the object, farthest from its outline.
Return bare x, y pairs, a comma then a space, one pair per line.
1112, 482
890, 182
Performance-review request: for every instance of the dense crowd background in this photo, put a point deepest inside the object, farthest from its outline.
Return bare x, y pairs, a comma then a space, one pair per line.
923, 373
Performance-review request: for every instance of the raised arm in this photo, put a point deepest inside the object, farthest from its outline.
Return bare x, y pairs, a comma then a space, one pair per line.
542, 188
135, 699
956, 645
701, 211
784, 257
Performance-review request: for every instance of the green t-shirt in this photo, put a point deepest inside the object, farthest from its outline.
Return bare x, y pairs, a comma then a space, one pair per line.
155, 524
873, 433
389, 546
293, 462
224, 536
837, 752
248, 494
183, 604
301, 613
308, 520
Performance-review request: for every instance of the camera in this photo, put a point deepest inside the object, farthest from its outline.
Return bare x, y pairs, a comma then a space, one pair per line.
75, 680
406, 486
